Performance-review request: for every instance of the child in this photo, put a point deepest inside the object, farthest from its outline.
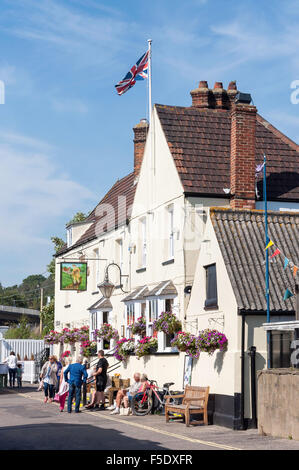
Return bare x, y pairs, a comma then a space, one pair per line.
19, 375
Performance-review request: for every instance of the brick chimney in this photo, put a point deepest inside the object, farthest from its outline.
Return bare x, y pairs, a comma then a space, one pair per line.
140, 133
242, 159
201, 96
220, 97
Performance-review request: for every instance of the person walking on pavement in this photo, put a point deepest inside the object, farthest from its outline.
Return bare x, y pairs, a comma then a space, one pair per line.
63, 386
78, 375
48, 374
101, 380
12, 368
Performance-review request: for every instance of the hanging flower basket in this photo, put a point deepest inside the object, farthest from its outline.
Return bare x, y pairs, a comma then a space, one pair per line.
88, 348
65, 354
139, 327
188, 343
106, 333
211, 340
168, 323
53, 337
146, 346
124, 347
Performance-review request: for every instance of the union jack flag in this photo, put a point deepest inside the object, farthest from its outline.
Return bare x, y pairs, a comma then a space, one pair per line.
139, 71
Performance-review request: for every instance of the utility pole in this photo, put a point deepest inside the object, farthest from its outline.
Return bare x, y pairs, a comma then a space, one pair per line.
41, 307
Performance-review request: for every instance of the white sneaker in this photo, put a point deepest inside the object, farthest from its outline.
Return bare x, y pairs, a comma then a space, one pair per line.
115, 412
112, 407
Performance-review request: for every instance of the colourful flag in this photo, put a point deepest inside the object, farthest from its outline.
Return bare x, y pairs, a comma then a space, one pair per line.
139, 71
276, 252
269, 244
287, 294
286, 262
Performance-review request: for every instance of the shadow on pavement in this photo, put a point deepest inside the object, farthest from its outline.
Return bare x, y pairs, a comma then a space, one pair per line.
53, 436
26, 389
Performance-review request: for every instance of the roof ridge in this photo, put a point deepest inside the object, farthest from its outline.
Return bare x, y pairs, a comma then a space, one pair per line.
252, 211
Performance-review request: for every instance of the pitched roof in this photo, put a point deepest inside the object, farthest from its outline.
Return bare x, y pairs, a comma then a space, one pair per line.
137, 294
163, 288
199, 141
241, 237
119, 199
101, 304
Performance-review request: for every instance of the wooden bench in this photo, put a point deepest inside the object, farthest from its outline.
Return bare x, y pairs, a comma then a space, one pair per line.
195, 401
116, 385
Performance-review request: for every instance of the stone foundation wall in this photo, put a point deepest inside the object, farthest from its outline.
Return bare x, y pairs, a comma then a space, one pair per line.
278, 408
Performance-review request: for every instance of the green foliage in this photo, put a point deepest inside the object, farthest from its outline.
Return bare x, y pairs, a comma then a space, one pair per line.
22, 331
78, 217
47, 316
58, 244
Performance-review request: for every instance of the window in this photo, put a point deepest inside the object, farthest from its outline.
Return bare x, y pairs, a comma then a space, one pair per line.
168, 305
105, 317
119, 252
130, 314
211, 287
94, 320
153, 310
69, 237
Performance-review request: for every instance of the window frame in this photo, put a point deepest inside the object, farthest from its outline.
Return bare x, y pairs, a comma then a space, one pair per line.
211, 303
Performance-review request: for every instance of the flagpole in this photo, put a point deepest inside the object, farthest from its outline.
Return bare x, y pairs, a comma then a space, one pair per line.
150, 79
267, 259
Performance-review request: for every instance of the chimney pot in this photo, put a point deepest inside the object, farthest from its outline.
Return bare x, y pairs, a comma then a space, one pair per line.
232, 85
203, 84
218, 85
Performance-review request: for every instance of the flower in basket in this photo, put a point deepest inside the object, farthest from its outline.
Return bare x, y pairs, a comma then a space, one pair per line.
123, 349
53, 337
139, 327
211, 340
188, 343
65, 354
145, 345
88, 348
106, 332
168, 323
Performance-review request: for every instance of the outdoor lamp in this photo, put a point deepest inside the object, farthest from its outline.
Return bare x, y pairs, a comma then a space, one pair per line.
106, 287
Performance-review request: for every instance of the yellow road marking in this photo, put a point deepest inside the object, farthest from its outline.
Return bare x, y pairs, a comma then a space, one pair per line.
148, 428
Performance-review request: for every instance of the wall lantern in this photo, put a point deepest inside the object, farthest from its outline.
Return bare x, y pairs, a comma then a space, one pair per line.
107, 287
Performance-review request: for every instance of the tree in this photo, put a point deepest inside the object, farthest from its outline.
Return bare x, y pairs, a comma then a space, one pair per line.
78, 217
58, 244
47, 316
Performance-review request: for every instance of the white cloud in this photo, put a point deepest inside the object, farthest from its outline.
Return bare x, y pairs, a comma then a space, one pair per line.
34, 195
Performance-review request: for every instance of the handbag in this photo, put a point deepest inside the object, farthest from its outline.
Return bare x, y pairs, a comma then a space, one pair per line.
56, 398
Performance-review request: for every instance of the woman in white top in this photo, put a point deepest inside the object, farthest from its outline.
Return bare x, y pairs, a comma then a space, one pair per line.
12, 368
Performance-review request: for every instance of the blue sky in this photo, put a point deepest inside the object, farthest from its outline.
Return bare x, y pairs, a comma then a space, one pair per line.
66, 136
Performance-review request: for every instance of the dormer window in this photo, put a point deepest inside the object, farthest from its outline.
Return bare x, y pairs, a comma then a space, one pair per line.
69, 236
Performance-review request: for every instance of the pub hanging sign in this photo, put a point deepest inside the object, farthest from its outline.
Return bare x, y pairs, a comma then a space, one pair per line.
73, 276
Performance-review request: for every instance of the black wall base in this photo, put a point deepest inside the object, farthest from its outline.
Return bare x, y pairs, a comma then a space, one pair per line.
225, 410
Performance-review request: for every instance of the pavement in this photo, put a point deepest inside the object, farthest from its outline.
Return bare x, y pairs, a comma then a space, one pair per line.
26, 423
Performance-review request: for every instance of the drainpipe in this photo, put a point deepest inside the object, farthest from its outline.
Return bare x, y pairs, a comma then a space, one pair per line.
242, 412
252, 354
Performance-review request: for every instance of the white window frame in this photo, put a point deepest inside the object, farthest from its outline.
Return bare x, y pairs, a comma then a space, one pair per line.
160, 307
99, 315
69, 236
97, 266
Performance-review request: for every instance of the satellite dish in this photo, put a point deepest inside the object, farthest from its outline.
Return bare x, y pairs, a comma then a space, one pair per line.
188, 289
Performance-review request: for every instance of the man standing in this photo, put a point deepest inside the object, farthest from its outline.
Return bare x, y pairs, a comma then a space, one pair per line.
78, 375
101, 379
